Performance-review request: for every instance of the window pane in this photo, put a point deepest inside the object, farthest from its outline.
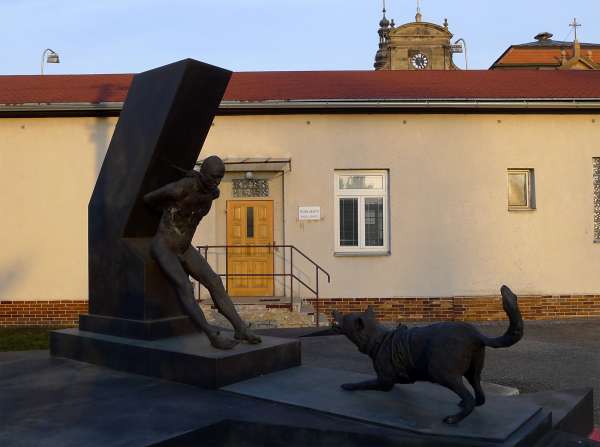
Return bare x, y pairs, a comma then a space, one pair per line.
361, 182
349, 222
250, 222
374, 221
517, 189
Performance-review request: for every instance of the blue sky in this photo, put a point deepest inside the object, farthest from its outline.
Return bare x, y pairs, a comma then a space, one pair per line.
124, 36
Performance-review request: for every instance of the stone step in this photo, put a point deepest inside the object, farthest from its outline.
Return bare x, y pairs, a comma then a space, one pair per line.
242, 300
261, 316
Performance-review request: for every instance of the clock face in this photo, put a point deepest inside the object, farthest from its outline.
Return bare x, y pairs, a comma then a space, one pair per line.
419, 61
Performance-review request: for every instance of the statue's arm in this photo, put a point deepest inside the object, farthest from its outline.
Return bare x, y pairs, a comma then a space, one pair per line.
160, 197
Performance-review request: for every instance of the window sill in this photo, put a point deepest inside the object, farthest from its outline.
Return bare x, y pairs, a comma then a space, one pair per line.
362, 254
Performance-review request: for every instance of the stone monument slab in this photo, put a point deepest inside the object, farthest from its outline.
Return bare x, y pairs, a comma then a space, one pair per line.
187, 358
165, 119
417, 408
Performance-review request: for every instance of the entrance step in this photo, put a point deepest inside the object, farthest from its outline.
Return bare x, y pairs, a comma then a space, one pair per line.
261, 300
262, 316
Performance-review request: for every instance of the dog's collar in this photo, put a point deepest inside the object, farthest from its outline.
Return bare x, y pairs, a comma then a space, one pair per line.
373, 350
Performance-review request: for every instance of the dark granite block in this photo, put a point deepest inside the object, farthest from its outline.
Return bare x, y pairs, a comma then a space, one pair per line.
417, 408
252, 434
139, 329
572, 410
188, 359
165, 119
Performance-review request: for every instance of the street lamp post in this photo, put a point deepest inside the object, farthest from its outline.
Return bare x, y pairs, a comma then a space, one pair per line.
465, 45
51, 58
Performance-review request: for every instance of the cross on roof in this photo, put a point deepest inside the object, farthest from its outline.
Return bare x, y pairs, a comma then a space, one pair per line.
575, 25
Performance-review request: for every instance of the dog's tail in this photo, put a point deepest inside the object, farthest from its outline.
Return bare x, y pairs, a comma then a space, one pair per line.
514, 333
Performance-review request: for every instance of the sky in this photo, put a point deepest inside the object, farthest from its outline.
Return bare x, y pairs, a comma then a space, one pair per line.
129, 36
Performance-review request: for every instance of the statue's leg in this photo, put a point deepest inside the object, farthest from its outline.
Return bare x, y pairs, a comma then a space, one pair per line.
171, 266
199, 269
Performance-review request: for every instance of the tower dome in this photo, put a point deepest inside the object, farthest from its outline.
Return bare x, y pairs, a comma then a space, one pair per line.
382, 55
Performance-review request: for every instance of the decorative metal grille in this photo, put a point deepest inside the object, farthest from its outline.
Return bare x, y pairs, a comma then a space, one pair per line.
597, 199
254, 187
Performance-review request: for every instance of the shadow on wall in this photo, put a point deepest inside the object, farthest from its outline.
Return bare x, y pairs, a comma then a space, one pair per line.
100, 134
101, 131
9, 276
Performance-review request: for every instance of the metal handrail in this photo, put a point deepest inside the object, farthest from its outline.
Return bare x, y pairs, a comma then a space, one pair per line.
292, 276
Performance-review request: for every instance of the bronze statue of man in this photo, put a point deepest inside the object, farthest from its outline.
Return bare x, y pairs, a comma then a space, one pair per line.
183, 204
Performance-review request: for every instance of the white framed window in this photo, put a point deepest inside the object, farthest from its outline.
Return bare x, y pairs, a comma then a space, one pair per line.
361, 212
521, 189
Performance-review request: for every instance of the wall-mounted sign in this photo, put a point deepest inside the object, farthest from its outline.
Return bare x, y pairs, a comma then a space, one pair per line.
309, 213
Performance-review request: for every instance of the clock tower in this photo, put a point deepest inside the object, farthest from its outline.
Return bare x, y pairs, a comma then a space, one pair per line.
416, 45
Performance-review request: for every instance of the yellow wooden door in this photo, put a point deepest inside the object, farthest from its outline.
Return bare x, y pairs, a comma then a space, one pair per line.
250, 222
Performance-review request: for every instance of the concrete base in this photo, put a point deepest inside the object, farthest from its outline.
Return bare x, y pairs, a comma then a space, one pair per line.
417, 409
188, 359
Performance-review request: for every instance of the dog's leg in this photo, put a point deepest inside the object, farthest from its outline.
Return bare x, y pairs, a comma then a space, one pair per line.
467, 400
374, 385
473, 375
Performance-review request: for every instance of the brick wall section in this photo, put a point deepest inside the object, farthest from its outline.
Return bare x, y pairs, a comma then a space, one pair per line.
42, 313
486, 308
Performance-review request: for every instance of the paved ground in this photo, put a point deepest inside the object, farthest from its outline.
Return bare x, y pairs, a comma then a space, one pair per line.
40, 398
552, 355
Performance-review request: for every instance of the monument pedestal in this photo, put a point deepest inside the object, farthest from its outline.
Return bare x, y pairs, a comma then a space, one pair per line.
418, 409
138, 329
187, 358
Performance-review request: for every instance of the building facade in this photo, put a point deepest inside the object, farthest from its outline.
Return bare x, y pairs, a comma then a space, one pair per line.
416, 45
419, 193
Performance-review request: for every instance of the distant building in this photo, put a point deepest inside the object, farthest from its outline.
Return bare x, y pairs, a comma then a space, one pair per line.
414, 46
548, 54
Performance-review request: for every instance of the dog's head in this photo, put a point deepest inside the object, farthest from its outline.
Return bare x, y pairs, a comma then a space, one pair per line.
359, 327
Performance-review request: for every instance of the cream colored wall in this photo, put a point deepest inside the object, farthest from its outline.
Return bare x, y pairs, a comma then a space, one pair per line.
48, 167
451, 233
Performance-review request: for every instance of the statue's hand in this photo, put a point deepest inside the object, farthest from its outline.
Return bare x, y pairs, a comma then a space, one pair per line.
248, 335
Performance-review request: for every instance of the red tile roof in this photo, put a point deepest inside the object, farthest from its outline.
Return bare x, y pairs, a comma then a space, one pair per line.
324, 85
541, 56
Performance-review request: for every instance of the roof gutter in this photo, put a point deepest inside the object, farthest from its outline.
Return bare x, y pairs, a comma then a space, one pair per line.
373, 104
418, 104
63, 107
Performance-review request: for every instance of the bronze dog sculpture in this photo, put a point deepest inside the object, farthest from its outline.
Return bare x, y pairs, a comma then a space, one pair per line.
441, 353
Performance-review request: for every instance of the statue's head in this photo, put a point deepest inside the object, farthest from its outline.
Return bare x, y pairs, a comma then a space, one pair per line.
359, 327
213, 168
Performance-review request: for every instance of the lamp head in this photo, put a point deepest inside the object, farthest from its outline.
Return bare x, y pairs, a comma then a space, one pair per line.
52, 58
